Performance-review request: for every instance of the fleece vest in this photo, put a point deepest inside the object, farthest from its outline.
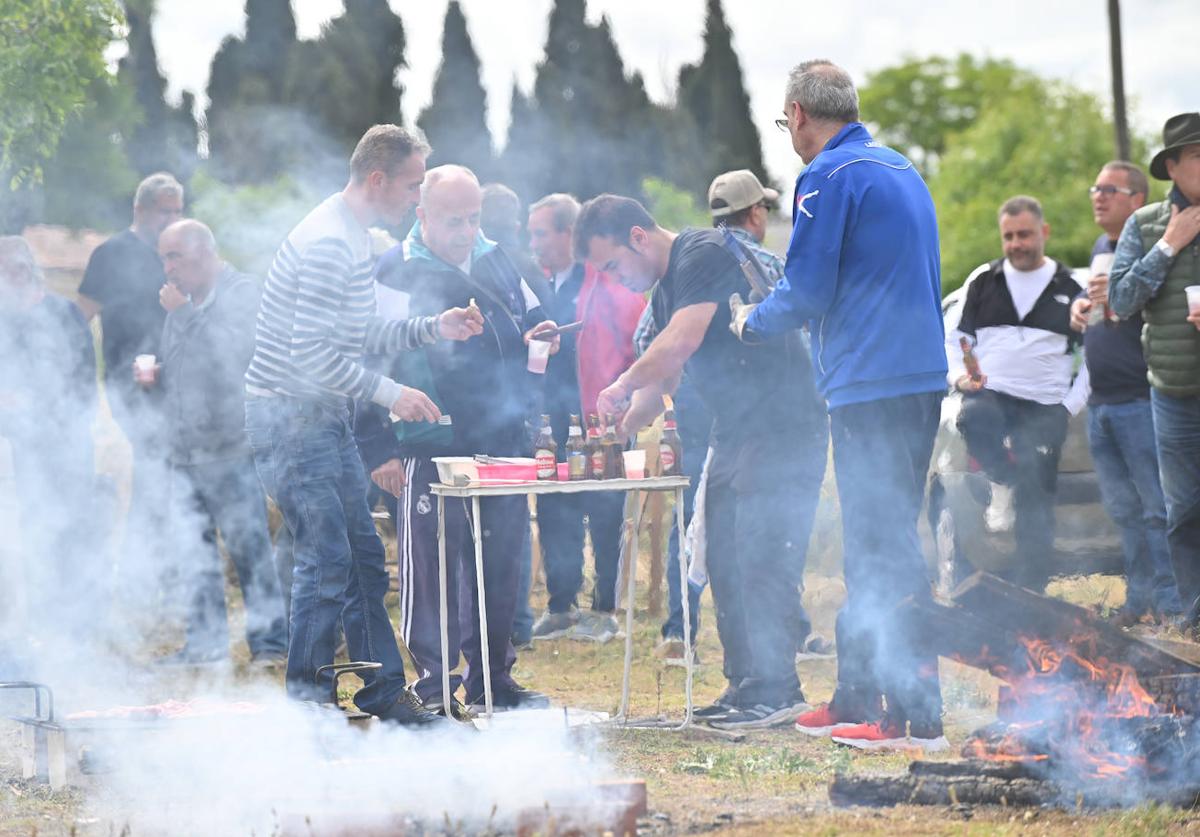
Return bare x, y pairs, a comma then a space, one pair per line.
1171, 344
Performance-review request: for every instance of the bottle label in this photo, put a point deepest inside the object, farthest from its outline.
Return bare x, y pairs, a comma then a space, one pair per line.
547, 468
574, 431
598, 464
669, 425
577, 465
666, 458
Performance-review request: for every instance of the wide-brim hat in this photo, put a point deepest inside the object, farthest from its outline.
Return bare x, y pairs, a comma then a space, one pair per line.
1180, 130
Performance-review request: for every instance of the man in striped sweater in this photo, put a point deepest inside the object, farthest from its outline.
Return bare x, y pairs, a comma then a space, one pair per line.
316, 320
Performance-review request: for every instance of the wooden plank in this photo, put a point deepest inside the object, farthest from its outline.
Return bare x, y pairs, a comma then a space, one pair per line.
958, 635
1022, 612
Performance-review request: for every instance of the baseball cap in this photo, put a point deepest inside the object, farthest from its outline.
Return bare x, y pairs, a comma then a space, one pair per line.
734, 191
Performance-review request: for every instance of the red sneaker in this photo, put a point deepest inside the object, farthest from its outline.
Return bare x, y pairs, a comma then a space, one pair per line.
821, 721
885, 735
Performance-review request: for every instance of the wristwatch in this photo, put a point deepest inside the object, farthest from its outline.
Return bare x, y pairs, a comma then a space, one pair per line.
1167, 249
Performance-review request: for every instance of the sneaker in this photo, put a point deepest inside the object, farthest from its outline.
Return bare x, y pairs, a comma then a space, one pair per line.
762, 715
458, 712
719, 708
408, 711
595, 627
511, 697
821, 721
671, 652
554, 625
886, 735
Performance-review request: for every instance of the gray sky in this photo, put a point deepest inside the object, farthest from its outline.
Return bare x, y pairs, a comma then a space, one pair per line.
1066, 39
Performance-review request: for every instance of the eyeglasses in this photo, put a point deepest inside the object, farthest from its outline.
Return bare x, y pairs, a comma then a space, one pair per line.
1108, 191
781, 124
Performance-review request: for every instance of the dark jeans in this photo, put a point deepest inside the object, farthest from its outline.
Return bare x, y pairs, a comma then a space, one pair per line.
505, 524
1035, 433
560, 521
1121, 437
693, 466
226, 496
1177, 436
881, 452
760, 501
522, 631
306, 457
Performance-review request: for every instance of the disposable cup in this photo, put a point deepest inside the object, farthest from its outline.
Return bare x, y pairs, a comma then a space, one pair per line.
539, 356
145, 363
1193, 298
635, 463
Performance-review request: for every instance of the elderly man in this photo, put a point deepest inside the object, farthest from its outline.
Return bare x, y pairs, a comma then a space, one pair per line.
585, 364
1120, 418
1017, 313
121, 284
483, 386
863, 272
1157, 260
47, 404
207, 342
315, 321
767, 439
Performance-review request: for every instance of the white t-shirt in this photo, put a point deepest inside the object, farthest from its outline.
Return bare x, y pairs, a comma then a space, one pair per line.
1025, 286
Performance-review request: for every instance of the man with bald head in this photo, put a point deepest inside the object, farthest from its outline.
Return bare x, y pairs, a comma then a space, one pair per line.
483, 386
207, 342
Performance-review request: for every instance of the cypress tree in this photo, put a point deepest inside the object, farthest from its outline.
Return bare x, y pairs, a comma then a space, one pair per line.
456, 119
521, 162
714, 95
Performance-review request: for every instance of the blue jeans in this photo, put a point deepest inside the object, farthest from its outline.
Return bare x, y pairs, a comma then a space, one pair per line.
522, 631
1121, 437
1177, 436
226, 496
308, 462
881, 452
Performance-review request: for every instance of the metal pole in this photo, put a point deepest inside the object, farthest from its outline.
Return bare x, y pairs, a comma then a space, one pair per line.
685, 600
443, 615
477, 536
1120, 121
631, 590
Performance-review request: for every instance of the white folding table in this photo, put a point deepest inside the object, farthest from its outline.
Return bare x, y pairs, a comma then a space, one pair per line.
476, 491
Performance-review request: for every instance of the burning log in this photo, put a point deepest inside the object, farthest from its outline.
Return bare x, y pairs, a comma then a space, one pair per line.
946, 783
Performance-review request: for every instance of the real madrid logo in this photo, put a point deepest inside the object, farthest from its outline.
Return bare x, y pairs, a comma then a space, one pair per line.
423, 504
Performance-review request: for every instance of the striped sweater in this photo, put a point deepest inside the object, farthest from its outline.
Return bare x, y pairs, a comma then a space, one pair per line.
317, 316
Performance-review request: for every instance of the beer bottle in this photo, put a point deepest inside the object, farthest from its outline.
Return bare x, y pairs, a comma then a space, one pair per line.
670, 448
595, 449
614, 466
545, 452
577, 457
970, 362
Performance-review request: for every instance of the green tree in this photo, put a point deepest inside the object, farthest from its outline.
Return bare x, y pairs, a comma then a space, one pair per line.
713, 94
672, 207
917, 107
1048, 143
520, 163
456, 119
51, 51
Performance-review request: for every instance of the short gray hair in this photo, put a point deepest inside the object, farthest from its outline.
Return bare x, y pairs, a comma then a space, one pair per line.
564, 209
159, 183
1021, 203
17, 261
1134, 176
436, 175
195, 233
384, 148
824, 90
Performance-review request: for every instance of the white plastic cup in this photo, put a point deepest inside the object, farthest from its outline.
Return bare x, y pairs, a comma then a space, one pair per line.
1193, 298
539, 356
635, 463
145, 363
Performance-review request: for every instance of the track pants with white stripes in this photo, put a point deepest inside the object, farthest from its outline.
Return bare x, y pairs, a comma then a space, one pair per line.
505, 524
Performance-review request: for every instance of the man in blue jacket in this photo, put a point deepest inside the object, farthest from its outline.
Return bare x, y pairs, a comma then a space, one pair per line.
863, 272
483, 386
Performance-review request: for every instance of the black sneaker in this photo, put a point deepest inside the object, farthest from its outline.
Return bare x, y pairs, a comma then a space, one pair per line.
762, 715
719, 708
408, 711
458, 712
510, 697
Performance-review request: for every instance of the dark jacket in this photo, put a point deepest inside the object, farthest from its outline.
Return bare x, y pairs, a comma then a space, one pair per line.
481, 383
206, 350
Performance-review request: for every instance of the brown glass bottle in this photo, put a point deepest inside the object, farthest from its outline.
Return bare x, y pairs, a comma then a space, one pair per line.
545, 452
595, 449
577, 457
614, 465
970, 361
670, 448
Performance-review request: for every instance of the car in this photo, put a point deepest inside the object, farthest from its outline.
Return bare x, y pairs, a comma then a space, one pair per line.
968, 526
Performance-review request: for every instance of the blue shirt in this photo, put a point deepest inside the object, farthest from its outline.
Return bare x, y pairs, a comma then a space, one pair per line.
863, 270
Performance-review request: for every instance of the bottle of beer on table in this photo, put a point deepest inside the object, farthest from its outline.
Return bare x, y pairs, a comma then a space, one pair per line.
614, 465
577, 456
970, 361
545, 452
670, 448
595, 449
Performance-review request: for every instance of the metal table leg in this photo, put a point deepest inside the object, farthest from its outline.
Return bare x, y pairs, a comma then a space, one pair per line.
477, 534
685, 600
443, 614
631, 590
